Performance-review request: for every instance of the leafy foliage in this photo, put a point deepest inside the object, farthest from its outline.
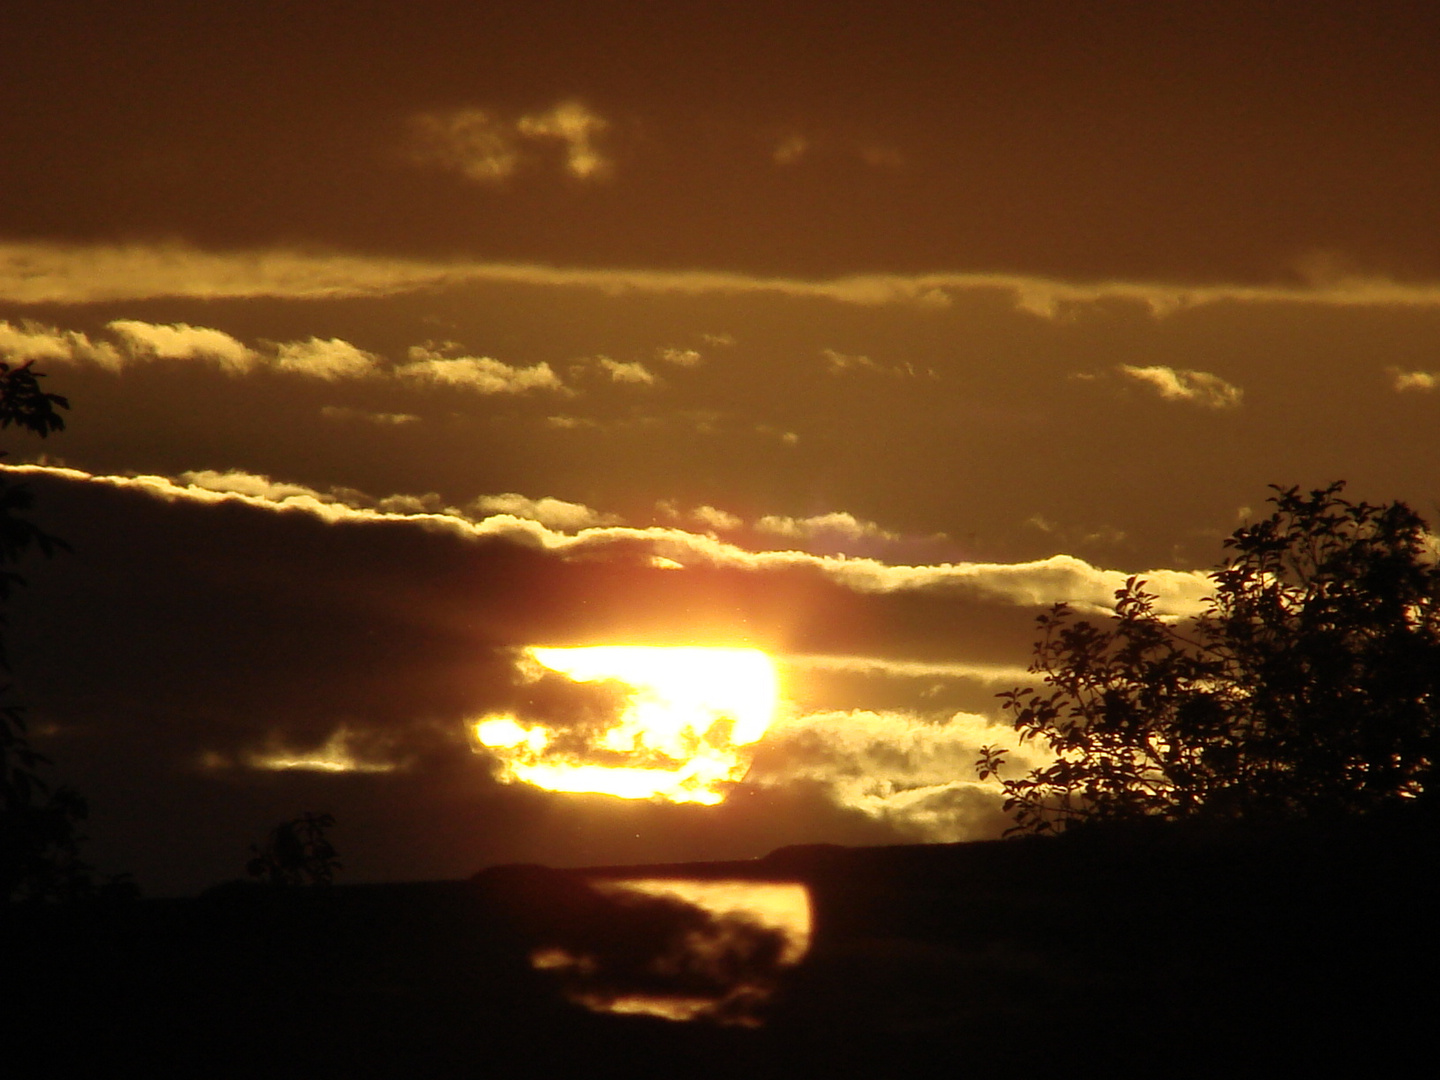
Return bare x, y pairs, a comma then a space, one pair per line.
296, 852
39, 826
1310, 686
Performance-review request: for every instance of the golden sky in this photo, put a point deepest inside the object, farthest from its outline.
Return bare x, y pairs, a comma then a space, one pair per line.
405, 338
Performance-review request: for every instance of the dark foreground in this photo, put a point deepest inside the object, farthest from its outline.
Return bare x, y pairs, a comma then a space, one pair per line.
1150, 951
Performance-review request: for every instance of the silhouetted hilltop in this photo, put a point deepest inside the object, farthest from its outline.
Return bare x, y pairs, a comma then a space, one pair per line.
1160, 949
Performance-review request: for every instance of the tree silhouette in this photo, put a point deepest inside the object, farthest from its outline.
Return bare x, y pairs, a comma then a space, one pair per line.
1310, 685
39, 837
296, 852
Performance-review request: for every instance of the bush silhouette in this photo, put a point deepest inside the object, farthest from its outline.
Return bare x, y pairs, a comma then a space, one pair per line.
1310, 686
296, 852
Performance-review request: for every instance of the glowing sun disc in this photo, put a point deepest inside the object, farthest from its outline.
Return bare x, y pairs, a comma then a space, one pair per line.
687, 728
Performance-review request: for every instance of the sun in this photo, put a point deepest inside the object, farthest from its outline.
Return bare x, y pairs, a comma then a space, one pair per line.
687, 728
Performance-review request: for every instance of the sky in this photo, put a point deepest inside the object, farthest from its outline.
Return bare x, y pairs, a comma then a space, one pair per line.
403, 339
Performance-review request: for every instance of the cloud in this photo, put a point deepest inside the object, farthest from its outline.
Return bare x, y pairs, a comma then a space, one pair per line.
680, 357
180, 341
1030, 584
217, 624
550, 512
239, 482
914, 772
470, 141
790, 150
836, 527
481, 374
32, 341
340, 412
577, 128
622, 372
1196, 387
837, 362
1403, 381
328, 360
36, 272
486, 148
710, 518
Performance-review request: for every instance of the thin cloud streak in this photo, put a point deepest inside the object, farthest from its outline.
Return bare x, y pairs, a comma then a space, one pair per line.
54, 273
1201, 388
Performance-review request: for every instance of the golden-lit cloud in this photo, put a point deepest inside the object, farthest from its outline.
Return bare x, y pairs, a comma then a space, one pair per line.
36, 272
384, 419
328, 360
837, 363
331, 360
550, 512
836, 527
181, 341
1037, 582
998, 674
1195, 387
341, 753
577, 128
621, 371
481, 374
487, 148
33, 341
915, 772
1422, 381
473, 142
710, 518
680, 357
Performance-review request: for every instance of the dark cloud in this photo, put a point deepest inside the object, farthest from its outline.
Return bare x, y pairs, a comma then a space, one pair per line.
183, 644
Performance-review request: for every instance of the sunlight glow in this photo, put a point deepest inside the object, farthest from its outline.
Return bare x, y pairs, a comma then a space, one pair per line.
689, 717
714, 970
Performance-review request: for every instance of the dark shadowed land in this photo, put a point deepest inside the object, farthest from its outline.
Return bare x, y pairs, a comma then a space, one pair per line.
1168, 951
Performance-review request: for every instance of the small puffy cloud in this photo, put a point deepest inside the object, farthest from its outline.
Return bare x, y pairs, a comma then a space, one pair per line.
482, 374
328, 360
622, 372
238, 482
714, 518
340, 412
710, 518
577, 128
841, 527
572, 423
181, 341
680, 357
1197, 387
1422, 381
488, 148
837, 362
472, 142
723, 340
32, 341
552, 513
790, 149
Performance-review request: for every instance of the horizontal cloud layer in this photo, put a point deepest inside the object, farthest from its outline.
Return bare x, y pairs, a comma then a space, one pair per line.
56, 273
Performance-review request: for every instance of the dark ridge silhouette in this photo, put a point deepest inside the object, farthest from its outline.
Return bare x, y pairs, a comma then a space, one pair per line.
1200, 949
